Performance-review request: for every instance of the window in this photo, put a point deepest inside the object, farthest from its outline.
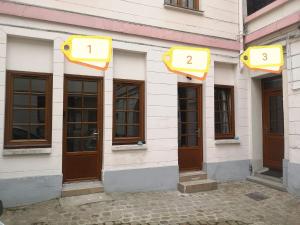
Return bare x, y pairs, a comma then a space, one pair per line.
188, 4
255, 5
224, 112
128, 118
28, 110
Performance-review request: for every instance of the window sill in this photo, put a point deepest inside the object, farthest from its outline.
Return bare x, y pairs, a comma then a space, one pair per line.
36, 151
191, 11
134, 147
227, 141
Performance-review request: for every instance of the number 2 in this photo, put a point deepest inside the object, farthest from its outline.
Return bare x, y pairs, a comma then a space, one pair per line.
189, 59
265, 56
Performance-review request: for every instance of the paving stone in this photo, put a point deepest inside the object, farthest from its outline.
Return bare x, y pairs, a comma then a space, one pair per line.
228, 205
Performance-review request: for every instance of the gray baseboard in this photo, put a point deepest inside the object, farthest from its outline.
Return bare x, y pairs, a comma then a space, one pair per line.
145, 179
226, 171
293, 179
27, 190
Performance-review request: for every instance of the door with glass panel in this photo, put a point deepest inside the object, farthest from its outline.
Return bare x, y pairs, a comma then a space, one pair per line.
82, 128
190, 151
273, 123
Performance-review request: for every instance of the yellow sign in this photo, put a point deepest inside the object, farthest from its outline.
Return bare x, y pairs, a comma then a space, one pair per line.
188, 61
266, 58
91, 51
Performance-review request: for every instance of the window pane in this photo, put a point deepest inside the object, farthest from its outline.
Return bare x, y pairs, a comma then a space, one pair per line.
21, 100
21, 84
38, 85
89, 115
120, 117
38, 101
133, 104
132, 91
120, 104
74, 101
89, 144
192, 141
121, 91
120, 131
89, 129
188, 104
184, 92
74, 115
20, 132
37, 132
132, 131
74, 86
90, 101
37, 116
188, 117
132, 117
21, 116
74, 130
90, 87
73, 145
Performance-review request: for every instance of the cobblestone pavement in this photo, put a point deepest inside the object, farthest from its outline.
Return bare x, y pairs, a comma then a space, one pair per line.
228, 205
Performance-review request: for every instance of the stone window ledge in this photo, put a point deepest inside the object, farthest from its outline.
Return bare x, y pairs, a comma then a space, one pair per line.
129, 147
29, 151
227, 141
190, 11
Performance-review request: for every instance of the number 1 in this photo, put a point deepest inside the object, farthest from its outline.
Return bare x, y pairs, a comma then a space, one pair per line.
90, 49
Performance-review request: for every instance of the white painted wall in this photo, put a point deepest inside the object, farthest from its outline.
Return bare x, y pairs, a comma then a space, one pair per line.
225, 74
220, 17
287, 9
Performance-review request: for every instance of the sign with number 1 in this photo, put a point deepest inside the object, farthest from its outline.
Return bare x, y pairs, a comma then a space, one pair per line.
188, 61
91, 51
265, 58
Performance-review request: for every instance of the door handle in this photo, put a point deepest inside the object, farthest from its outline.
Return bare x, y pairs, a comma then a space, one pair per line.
198, 132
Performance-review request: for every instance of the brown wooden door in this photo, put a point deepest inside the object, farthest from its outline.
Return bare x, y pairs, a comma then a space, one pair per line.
273, 123
82, 151
190, 153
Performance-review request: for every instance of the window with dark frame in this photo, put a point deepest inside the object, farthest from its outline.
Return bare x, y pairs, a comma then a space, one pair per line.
255, 5
28, 110
128, 118
224, 112
187, 4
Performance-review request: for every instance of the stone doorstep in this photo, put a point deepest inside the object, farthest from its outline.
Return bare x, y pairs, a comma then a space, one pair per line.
192, 175
197, 186
81, 188
269, 183
275, 179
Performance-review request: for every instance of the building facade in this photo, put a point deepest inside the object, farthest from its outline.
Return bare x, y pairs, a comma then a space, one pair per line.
136, 125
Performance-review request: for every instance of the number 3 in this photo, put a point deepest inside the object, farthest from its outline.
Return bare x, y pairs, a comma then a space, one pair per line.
265, 56
189, 59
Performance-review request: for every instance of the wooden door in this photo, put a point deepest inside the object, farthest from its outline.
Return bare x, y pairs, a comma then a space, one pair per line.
190, 152
82, 150
273, 123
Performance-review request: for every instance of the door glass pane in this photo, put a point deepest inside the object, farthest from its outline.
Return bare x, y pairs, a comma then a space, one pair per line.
74, 130
190, 104
90, 87
187, 92
120, 104
121, 91
276, 114
38, 101
38, 85
21, 84
132, 91
132, 104
21, 100
74, 86
90, 101
89, 129
74, 145
89, 115
74, 101
89, 144
74, 115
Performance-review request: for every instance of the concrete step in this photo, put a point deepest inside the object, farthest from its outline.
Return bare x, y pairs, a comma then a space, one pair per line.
269, 183
192, 175
197, 186
275, 179
81, 188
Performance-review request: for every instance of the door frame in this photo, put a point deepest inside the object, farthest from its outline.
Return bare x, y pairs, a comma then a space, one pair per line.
200, 122
265, 111
99, 122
